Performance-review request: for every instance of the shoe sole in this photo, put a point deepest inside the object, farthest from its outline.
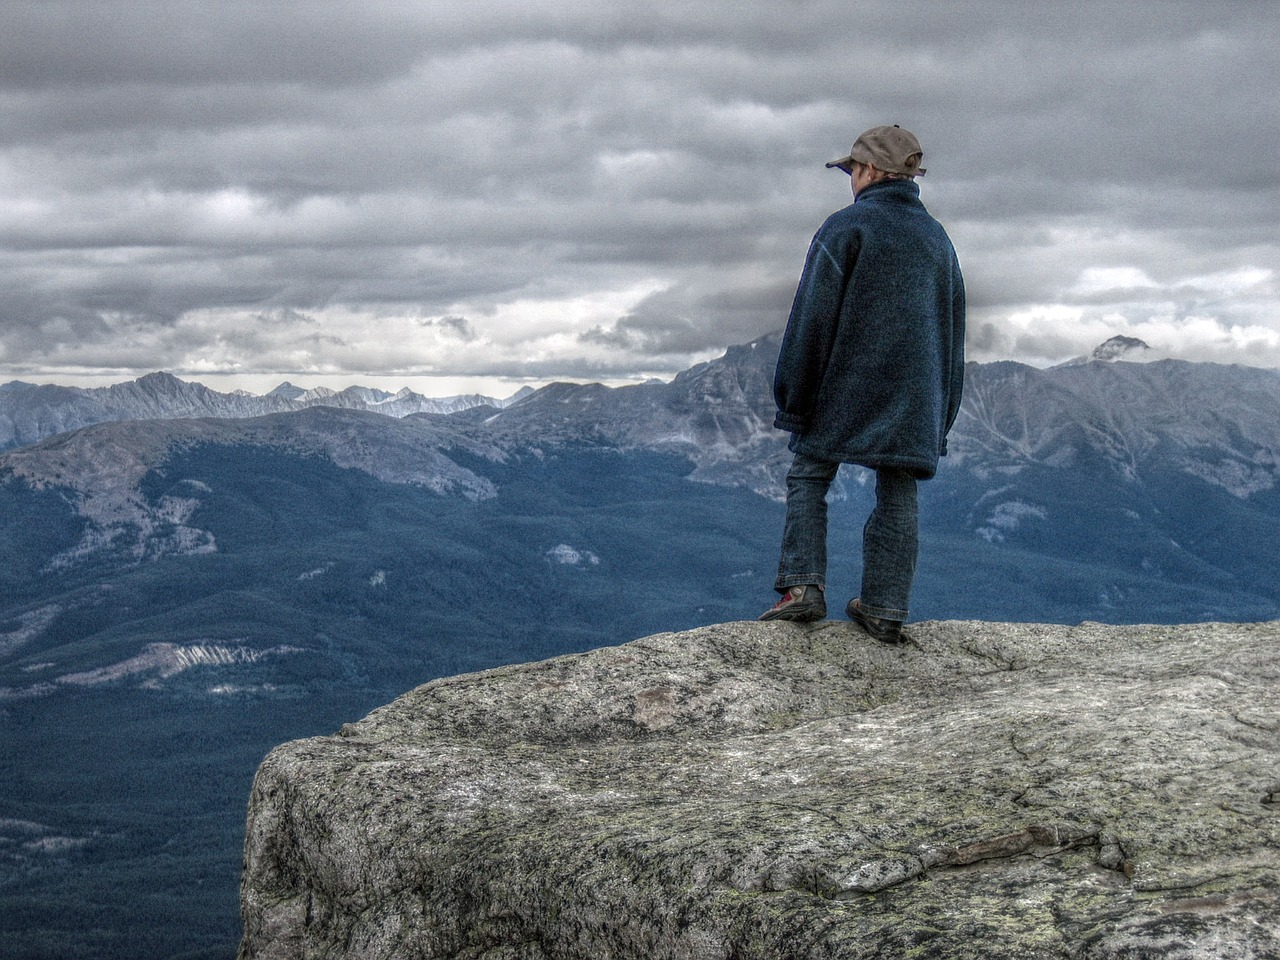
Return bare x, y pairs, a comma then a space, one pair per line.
796, 616
891, 636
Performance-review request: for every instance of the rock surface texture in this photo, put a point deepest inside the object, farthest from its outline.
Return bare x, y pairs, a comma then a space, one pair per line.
773, 790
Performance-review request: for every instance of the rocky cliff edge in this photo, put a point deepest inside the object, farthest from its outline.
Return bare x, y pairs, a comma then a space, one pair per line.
753, 790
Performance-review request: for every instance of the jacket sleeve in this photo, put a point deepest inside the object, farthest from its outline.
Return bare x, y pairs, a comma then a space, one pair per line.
955, 379
807, 342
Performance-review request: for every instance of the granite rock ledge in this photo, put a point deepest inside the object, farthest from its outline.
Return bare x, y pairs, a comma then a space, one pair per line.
774, 790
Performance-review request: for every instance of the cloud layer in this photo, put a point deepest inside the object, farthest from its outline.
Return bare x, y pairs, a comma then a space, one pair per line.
598, 189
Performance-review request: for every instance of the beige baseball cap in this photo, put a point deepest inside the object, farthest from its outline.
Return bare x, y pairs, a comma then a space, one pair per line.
890, 149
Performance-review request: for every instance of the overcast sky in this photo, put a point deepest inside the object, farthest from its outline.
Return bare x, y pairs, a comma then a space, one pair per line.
450, 193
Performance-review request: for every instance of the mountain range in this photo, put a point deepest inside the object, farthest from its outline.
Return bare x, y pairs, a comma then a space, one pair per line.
188, 577
1092, 460
31, 412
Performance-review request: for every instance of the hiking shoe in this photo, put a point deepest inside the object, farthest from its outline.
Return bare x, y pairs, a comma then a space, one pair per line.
886, 631
803, 604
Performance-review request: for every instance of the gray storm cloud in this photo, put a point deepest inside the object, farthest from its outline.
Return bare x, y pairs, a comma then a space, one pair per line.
578, 189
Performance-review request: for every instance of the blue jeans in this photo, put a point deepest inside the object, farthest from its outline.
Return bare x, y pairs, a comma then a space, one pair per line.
890, 538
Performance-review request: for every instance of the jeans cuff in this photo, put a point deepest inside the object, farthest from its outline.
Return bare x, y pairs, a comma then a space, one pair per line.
787, 581
884, 613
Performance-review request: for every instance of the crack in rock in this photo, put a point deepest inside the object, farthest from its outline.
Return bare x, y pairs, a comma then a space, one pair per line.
1035, 840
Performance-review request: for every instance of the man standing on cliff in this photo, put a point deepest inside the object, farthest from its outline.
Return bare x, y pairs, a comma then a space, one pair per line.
870, 372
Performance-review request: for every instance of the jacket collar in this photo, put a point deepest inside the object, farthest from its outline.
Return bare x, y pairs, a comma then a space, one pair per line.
890, 191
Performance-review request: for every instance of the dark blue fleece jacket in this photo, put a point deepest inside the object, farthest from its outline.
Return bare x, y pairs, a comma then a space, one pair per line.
872, 361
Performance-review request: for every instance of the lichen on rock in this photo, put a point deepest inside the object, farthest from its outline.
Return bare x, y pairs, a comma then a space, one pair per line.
773, 790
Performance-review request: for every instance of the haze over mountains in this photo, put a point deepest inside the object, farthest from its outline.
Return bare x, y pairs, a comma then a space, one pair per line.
30, 412
183, 584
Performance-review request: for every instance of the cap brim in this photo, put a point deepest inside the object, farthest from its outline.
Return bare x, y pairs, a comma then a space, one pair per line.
844, 163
